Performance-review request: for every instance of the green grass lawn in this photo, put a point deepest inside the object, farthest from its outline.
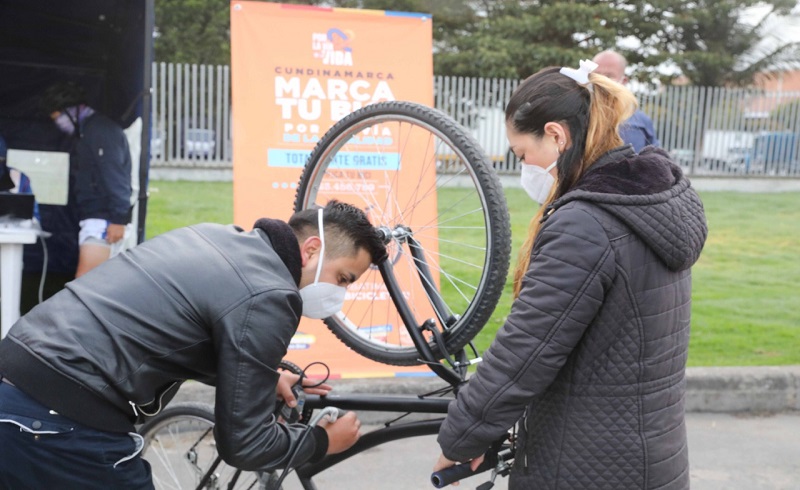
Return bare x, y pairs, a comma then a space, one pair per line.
746, 297
176, 204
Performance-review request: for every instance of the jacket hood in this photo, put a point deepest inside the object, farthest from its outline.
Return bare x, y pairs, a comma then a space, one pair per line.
650, 195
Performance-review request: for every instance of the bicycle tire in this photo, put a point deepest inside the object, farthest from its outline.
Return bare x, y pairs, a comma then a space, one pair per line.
179, 445
478, 190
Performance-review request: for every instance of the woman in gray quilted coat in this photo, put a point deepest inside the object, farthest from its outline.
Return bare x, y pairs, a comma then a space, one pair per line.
591, 359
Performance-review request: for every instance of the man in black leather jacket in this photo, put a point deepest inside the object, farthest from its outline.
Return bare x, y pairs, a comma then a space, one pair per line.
209, 302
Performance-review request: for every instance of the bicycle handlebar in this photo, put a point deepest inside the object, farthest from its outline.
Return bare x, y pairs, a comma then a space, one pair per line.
332, 413
444, 477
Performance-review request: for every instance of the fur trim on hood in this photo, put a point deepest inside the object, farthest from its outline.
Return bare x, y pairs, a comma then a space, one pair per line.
651, 196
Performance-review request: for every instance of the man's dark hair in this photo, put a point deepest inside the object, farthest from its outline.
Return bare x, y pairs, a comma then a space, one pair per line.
347, 229
61, 95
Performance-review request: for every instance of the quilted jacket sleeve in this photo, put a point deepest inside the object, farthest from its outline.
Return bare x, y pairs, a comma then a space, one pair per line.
250, 341
571, 268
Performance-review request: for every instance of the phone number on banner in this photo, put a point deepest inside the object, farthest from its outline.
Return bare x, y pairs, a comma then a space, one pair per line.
347, 187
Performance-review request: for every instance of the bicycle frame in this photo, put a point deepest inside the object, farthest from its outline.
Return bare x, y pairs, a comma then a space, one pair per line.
404, 310
388, 433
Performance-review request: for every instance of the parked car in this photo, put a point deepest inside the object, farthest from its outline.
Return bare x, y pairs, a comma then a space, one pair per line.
773, 153
199, 143
683, 157
723, 150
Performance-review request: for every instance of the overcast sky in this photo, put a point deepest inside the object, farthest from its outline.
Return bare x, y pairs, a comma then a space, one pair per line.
780, 30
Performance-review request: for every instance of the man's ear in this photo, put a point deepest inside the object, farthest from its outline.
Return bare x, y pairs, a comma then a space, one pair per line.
309, 248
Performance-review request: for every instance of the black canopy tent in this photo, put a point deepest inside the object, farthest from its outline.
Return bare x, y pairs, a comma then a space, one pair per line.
105, 45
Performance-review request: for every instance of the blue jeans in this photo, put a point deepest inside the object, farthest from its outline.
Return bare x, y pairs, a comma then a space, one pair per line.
40, 449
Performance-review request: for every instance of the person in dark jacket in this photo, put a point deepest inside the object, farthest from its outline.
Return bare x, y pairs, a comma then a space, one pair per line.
591, 358
102, 187
208, 302
638, 129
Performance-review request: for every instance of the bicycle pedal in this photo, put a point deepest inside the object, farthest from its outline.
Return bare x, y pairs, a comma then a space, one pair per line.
489, 484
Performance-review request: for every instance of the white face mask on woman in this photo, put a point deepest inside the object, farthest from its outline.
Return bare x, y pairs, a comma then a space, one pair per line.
322, 299
537, 181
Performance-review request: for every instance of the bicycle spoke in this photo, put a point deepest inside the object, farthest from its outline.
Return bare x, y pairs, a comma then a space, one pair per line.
422, 183
180, 451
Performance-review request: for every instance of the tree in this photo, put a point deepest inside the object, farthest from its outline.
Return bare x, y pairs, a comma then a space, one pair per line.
708, 41
490, 38
192, 31
711, 42
513, 39
198, 31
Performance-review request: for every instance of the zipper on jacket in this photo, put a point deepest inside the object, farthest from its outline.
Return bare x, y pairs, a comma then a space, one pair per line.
525, 454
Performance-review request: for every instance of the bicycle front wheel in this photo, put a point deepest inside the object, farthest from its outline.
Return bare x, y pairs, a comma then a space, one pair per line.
422, 178
179, 445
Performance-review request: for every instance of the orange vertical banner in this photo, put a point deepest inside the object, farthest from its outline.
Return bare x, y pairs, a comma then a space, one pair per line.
296, 70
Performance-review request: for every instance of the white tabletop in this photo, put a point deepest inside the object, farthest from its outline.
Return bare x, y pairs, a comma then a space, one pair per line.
18, 235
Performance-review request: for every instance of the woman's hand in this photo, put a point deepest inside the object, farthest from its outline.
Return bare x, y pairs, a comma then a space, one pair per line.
443, 463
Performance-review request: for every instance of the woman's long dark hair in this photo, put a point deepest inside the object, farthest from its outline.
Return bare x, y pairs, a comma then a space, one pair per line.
592, 115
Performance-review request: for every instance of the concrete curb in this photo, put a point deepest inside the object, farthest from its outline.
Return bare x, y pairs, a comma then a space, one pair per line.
767, 389
715, 389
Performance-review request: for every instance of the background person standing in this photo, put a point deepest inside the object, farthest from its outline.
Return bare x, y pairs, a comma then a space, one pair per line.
638, 130
103, 179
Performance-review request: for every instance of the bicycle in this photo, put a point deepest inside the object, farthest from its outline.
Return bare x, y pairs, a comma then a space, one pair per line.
360, 160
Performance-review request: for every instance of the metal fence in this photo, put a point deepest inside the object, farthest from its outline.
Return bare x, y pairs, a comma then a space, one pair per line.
709, 130
191, 115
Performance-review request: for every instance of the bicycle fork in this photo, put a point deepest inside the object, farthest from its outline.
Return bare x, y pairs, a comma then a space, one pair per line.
404, 235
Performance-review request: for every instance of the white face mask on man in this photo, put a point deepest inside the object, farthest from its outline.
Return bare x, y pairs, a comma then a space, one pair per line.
322, 299
537, 181
64, 123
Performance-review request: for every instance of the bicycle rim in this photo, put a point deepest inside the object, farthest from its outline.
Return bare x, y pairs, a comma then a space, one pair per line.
411, 168
181, 450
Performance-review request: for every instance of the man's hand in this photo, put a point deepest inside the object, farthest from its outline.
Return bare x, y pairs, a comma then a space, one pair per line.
343, 433
114, 233
288, 379
443, 463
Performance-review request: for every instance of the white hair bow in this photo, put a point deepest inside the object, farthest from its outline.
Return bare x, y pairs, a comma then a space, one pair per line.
581, 75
